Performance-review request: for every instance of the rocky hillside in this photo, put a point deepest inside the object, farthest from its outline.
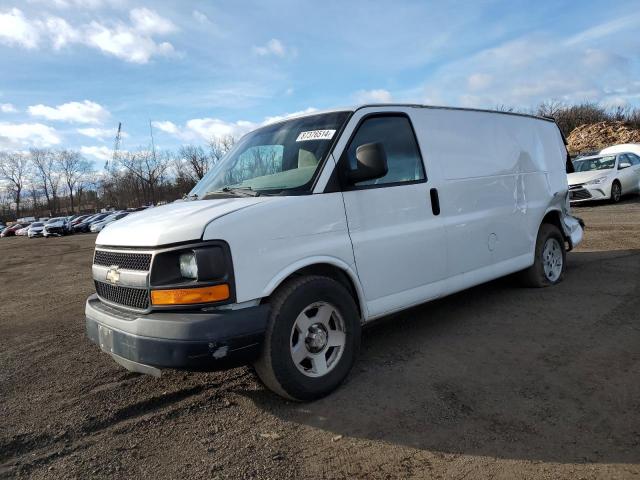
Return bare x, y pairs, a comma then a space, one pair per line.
597, 136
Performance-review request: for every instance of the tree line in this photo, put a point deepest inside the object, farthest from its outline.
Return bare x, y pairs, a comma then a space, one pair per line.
569, 117
47, 182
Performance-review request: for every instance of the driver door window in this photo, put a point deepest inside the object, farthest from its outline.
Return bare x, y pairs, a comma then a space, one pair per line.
403, 155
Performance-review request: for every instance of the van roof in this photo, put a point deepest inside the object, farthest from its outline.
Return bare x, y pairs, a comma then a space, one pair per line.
355, 108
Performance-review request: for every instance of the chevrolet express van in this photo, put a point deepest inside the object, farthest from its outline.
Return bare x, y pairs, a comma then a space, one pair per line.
315, 225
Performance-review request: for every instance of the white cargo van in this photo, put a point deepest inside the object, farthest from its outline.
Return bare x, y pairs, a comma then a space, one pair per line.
315, 225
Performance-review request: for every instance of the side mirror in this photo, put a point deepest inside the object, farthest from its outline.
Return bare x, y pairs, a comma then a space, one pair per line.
371, 163
622, 165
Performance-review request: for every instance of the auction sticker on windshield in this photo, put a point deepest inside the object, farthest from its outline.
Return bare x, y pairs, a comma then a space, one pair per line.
315, 135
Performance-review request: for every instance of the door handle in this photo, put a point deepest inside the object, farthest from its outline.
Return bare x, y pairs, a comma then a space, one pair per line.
435, 201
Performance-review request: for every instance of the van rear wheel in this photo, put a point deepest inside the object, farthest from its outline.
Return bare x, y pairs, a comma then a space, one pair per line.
550, 258
312, 338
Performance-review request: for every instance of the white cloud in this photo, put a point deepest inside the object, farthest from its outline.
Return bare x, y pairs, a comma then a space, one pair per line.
60, 32
126, 43
15, 29
590, 66
7, 108
77, 112
605, 29
100, 133
198, 129
207, 128
479, 81
272, 47
200, 17
133, 42
100, 153
149, 22
84, 4
15, 135
373, 96
167, 127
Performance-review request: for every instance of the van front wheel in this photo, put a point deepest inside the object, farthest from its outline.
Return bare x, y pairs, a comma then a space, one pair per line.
312, 338
550, 258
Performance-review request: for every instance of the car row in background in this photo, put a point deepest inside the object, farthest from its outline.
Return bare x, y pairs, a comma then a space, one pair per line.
614, 172
59, 226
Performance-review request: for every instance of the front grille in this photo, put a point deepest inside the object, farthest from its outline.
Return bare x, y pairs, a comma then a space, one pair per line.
579, 194
130, 297
126, 261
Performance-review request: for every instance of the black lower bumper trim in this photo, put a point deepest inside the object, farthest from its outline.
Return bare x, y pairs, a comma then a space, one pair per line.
233, 338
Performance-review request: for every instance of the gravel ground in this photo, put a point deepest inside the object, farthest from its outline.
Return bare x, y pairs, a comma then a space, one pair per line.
495, 382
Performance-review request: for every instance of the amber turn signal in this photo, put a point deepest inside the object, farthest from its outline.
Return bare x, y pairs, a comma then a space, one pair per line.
189, 296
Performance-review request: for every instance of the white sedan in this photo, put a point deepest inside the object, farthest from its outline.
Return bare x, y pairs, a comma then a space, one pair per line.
604, 177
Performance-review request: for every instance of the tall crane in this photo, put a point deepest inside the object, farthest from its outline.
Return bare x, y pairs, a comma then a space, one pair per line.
116, 149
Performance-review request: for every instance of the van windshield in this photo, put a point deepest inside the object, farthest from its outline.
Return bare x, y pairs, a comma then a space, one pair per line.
594, 163
275, 159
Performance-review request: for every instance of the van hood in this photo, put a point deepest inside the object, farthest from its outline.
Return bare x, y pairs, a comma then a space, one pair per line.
583, 177
180, 221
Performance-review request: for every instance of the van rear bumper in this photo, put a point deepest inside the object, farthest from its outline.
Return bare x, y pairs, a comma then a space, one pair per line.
185, 340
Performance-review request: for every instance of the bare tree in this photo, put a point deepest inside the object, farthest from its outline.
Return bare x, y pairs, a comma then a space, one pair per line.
149, 168
45, 169
193, 162
218, 148
14, 169
549, 108
72, 166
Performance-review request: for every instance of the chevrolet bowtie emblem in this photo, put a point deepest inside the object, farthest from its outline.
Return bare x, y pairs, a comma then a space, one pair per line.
113, 275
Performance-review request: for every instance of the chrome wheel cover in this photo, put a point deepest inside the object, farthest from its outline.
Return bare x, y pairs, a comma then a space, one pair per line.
552, 259
317, 339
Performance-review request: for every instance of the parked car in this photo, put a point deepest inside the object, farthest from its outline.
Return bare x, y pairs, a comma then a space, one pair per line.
604, 177
85, 224
622, 148
78, 219
22, 232
353, 215
98, 226
11, 231
56, 227
35, 230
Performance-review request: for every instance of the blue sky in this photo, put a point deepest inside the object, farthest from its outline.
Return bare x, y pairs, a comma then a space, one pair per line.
72, 69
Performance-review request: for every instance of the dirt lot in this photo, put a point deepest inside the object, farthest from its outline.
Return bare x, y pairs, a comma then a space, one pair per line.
494, 382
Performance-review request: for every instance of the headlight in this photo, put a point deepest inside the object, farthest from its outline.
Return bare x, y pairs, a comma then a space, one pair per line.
188, 265
597, 181
192, 275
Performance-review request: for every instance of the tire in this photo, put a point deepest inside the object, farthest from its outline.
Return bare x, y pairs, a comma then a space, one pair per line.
616, 191
541, 274
297, 303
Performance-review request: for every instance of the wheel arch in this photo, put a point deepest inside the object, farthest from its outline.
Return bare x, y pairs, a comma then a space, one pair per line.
553, 216
324, 266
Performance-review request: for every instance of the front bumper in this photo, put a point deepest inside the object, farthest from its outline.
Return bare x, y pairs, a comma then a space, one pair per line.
53, 232
587, 193
185, 340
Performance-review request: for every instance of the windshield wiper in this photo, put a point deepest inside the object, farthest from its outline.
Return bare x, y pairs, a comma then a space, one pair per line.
193, 196
239, 191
